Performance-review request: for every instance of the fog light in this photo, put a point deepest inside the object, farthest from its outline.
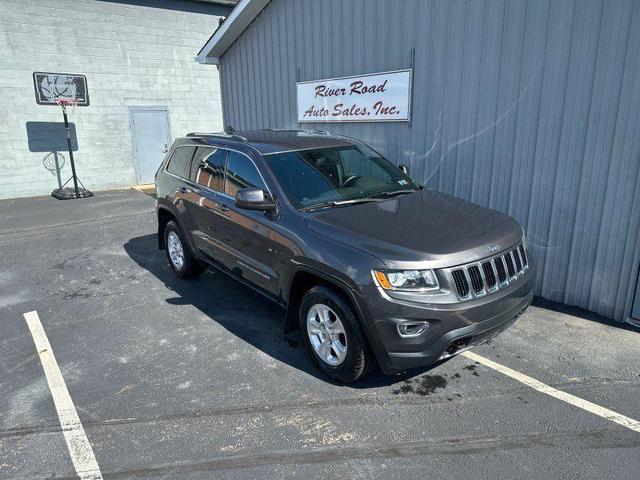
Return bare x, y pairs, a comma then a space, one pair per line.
412, 329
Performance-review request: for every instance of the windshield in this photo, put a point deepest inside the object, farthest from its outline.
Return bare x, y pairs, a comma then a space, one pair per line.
335, 174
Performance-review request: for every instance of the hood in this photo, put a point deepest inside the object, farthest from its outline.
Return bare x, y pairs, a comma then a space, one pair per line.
424, 229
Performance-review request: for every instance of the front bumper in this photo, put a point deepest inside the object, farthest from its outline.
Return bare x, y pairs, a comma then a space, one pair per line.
452, 328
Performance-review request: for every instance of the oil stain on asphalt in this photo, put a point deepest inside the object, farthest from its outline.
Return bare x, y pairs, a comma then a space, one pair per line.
472, 369
422, 386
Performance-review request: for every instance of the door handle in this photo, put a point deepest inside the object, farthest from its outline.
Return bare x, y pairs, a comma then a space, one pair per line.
184, 190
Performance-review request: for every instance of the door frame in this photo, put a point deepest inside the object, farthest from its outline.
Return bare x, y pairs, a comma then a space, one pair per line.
142, 108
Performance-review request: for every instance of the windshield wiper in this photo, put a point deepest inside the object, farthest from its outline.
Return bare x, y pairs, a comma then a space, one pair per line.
337, 203
393, 193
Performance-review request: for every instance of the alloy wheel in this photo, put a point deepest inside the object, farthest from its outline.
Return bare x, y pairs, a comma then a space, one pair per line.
327, 334
176, 251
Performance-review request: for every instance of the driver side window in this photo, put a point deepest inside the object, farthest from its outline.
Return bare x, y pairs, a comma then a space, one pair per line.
241, 173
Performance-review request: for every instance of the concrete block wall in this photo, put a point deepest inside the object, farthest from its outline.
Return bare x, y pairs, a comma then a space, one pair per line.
132, 55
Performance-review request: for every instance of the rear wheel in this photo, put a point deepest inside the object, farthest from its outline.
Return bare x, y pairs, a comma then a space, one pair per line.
179, 254
333, 336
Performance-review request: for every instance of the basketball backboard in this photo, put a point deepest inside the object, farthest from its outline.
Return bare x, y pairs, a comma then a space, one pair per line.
50, 86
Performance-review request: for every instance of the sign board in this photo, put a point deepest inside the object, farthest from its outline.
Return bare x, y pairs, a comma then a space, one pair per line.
375, 97
49, 86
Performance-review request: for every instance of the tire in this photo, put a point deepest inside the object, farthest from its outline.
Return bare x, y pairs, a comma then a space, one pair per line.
188, 266
342, 364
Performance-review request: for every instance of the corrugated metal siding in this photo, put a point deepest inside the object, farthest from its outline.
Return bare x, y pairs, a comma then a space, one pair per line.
529, 107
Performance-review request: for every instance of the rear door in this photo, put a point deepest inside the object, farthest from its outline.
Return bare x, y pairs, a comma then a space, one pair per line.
174, 184
207, 185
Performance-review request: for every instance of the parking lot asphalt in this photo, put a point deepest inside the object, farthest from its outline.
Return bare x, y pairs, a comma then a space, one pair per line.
194, 379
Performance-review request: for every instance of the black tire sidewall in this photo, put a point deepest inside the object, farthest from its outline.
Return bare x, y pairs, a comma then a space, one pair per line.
355, 363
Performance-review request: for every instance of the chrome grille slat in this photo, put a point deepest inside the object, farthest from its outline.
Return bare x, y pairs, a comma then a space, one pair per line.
523, 254
518, 259
467, 278
502, 270
511, 269
495, 271
488, 275
461, 283
475, 280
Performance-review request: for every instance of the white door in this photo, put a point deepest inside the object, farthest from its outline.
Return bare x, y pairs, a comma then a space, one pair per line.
150, 132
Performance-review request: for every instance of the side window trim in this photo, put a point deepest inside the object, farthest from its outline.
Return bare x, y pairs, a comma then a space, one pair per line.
226, 164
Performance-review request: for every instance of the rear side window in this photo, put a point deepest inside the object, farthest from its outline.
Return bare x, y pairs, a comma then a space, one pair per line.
180, 161
208, 168
241, 173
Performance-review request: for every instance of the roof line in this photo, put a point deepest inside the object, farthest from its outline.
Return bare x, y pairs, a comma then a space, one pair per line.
236, 22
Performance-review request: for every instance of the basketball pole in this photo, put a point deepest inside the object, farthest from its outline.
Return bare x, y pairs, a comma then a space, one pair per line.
70, 147
57, 162
79, 190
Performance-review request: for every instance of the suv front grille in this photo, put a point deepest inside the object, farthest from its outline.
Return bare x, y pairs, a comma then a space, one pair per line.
461, 283
491, 274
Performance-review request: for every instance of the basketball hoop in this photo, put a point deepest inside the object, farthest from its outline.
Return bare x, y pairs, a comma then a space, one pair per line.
66, 102
67, 90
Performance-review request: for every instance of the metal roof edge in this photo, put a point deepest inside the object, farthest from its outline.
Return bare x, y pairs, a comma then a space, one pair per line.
238, 20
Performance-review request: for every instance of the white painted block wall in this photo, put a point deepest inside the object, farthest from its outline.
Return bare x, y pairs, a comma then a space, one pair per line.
130, 54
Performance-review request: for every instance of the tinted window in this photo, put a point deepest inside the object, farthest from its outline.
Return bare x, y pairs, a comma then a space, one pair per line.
333, 174
180, 161
208, 167
241, 173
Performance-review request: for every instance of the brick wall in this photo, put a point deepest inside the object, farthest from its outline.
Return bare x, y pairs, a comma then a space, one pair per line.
132, 55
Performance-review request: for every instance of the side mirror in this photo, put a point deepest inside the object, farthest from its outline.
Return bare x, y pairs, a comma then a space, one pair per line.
404, 169
255, 199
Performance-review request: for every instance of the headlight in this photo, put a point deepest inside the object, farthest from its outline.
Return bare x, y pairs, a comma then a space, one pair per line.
407, 279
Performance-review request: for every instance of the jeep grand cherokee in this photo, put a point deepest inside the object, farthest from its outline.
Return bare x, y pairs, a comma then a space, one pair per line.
370, 266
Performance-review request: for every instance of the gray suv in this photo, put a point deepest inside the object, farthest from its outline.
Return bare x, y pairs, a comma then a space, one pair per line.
369, 265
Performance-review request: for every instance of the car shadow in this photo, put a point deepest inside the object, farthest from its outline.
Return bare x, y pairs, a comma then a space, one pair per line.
243, 312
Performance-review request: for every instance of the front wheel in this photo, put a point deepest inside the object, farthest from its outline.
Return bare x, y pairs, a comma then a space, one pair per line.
181, 259
333, 336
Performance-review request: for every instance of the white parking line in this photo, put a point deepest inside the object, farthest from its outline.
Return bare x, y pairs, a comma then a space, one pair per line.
560, 395
78, 444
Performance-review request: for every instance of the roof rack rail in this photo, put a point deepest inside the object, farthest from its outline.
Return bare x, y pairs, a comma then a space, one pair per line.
279, 130
305, 130
230, 136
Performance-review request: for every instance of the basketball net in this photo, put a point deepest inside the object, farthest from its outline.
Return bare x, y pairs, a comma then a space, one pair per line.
66, 103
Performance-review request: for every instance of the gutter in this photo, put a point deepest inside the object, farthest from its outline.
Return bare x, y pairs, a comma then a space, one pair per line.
228, 32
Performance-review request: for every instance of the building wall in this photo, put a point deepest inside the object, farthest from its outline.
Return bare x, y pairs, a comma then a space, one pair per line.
131, 54
528, 107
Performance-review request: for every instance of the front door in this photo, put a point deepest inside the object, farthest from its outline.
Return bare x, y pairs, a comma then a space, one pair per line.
150, 132
248, 241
